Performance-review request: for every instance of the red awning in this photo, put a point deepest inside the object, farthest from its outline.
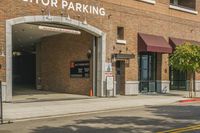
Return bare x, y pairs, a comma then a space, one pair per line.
176, 42
153, 43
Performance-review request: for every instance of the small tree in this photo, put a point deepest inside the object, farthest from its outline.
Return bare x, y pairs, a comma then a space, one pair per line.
187, 58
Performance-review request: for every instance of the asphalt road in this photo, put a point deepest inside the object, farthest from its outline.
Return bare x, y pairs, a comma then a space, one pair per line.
175, 118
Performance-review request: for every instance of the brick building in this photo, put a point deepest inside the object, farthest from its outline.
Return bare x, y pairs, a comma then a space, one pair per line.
70, 46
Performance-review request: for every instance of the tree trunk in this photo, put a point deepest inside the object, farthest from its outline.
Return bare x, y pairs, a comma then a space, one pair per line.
194, 88
191, 84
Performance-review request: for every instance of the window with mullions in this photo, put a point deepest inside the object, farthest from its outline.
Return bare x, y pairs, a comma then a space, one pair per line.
189, 4
178, 80
147, 73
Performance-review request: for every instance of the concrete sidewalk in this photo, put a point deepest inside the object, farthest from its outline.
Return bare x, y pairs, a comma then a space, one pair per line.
23, 111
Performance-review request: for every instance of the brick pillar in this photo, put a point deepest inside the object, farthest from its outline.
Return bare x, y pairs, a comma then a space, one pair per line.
131, 74
197, 81
163, 83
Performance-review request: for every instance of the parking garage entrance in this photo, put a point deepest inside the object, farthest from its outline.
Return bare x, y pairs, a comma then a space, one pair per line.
49, 59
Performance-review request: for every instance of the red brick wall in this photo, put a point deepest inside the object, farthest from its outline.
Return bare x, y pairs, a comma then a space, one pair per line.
134, 15
197, 76
56, 54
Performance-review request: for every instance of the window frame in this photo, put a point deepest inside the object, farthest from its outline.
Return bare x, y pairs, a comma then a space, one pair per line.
149, 1
152, 72
121, 40
182, 8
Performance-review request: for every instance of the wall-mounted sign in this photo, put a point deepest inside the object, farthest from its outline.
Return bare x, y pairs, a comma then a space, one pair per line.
123, 56
80, 69
71, 6
110, 83
108, 67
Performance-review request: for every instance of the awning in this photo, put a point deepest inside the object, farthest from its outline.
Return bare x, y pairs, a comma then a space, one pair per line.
153, 43
176, 42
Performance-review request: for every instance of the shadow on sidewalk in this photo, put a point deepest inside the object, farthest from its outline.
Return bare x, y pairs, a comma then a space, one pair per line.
170, 117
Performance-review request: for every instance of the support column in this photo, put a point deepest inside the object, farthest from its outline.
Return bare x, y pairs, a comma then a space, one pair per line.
163, 83
101, 58
7, 95
197, 82
132, 75
94, 65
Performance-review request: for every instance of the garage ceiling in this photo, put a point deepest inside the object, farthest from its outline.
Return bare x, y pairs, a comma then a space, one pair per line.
25, 36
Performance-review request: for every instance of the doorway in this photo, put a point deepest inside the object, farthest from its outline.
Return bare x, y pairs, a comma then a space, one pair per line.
147, 74
24, 72
120, 77
178, 80
41, 66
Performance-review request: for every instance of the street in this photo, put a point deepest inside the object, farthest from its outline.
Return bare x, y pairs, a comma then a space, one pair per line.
177, 118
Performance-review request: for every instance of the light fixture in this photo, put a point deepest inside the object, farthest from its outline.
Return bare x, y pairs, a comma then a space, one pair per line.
15, 53
85, 21
49, 17
61, 13
68, 17
89, 53
2, 52
113, 59
61, 30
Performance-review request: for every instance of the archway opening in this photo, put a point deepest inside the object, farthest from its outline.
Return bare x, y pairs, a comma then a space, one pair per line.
50, 58
99, 42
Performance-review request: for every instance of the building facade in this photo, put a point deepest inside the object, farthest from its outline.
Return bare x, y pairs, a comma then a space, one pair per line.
75, 45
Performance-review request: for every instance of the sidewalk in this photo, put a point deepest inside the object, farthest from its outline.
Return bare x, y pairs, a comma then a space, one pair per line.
183, 93
23, 111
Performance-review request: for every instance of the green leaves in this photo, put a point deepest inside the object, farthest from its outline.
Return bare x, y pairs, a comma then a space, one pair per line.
186, 57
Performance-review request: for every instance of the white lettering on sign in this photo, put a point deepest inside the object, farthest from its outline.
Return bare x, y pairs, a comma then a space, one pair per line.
54, 3
45, 2
65, 4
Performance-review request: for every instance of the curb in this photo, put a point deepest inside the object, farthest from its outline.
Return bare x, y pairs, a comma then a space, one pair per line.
79, 113
190, 100
7, 121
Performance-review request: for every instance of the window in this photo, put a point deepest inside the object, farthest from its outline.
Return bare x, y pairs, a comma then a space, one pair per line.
188, 4
149, 1
147, 72
178, 80
120, 33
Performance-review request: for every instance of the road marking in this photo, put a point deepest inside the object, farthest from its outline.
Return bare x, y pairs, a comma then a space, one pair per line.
187, 130
181, 130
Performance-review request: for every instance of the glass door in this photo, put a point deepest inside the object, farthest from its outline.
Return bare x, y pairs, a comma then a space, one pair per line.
178, 80
147, 74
